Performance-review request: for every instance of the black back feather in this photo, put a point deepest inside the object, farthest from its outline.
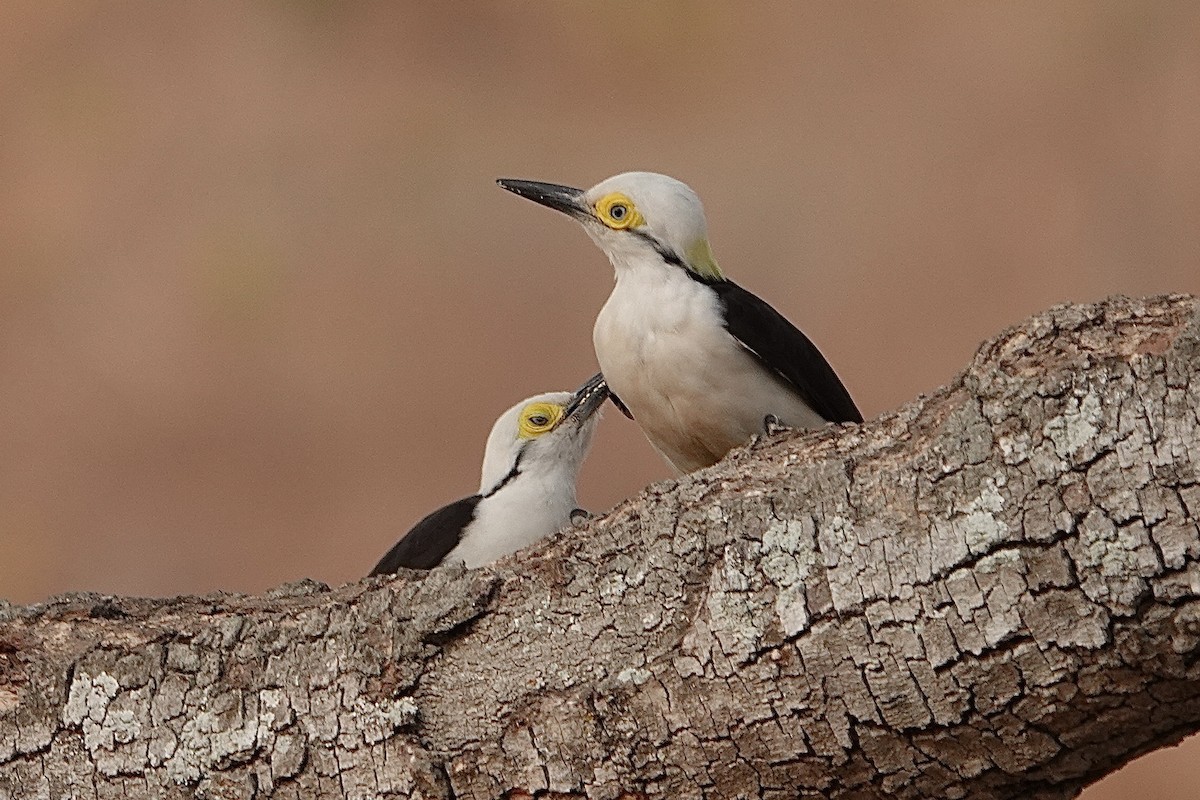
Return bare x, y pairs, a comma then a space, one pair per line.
782, 348
431, 539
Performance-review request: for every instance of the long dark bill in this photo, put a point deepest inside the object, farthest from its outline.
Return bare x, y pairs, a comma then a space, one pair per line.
561, 198
587, 399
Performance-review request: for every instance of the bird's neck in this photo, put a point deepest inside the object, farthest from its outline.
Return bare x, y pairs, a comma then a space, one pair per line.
645, 270
493, 480
652, 277
647, 304
541, 493
526, 509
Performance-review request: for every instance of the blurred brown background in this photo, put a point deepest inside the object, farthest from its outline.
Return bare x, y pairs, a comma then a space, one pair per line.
260, 300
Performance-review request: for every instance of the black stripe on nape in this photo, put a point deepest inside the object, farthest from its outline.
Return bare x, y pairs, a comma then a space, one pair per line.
670, 256
507, 479
705, 279
665, 253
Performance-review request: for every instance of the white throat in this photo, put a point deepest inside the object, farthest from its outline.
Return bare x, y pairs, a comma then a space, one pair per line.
529, 507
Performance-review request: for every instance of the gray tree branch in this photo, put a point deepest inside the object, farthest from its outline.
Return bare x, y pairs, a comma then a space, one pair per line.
993, 592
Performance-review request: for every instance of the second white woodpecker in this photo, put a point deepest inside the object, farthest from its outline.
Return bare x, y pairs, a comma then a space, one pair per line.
698, 360
526, 489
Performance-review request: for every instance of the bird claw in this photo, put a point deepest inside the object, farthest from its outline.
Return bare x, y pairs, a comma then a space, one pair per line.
772, 425
580, 517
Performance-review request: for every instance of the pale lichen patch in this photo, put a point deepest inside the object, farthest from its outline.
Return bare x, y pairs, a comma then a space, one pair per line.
733, 608
379, 721
788, 557
978, 523
88, 698
1075, 429
634, 675
208, 740
1113, 561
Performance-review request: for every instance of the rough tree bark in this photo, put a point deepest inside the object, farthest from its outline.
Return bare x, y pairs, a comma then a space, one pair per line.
993, 592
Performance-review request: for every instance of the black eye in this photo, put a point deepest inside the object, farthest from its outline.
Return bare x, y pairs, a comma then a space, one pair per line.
618, 212
538, 420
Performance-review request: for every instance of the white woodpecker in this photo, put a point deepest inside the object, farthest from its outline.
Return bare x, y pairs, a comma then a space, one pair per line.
700, 362
526, 490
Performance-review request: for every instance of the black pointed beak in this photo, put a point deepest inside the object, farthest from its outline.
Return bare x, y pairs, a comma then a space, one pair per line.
561, 198
587, 400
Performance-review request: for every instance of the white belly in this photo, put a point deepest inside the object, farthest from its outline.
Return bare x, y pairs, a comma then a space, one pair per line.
695, 391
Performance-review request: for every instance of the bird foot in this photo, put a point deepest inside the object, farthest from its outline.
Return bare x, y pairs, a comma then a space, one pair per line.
580, 517
773, 426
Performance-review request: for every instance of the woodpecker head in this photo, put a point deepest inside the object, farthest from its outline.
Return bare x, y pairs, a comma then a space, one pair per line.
547, 434
634, 217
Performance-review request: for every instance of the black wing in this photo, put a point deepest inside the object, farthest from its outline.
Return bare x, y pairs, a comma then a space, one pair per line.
781, 347
431, 539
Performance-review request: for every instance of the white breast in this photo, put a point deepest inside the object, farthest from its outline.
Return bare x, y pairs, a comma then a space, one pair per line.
529, 508
695, 391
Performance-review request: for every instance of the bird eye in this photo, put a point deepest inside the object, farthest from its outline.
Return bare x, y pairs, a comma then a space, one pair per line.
618, 212
538, 418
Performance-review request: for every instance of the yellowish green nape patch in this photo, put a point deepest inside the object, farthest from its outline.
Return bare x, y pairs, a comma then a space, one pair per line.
539, 418
700, 260
618, 212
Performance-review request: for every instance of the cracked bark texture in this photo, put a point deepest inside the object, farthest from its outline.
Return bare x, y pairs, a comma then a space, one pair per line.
993, 592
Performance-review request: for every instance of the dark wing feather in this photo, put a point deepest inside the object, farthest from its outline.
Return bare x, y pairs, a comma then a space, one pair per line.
781, 347
431, 539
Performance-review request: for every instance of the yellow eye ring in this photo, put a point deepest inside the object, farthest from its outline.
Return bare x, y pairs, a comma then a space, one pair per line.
538, 418
618, 212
